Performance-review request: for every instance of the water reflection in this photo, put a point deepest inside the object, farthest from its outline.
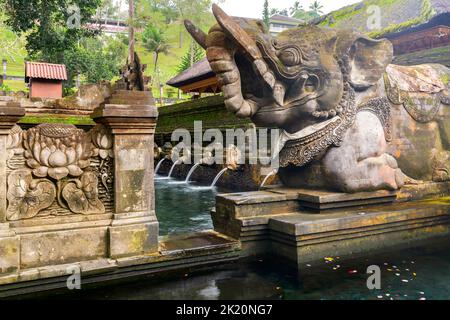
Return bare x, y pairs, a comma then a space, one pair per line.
427, 269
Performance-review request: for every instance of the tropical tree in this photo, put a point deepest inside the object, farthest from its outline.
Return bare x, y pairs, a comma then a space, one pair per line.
295, 8
95, 59
12, 45
193, 55
50, 26
54, 32
316, 7
274, 11
284, 12
155, 41
266, 16
197, 11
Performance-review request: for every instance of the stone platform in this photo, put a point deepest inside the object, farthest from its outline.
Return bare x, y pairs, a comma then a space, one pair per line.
303, 225
176, 254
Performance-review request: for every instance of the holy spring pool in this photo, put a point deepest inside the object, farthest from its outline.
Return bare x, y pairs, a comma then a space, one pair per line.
421, 272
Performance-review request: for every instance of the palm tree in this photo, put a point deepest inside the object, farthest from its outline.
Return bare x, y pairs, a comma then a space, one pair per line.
316, 7
295, 8
154, 40
131, 31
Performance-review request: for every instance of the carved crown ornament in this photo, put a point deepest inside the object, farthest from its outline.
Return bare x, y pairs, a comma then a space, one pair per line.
58, 169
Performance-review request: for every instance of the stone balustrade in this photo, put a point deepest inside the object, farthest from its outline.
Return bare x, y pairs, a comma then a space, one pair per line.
71, 195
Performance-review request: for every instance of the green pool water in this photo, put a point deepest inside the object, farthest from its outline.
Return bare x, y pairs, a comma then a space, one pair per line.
425, 268
181, 207
419, 272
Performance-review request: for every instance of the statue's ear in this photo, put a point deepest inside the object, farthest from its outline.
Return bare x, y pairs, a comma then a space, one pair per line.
368, 61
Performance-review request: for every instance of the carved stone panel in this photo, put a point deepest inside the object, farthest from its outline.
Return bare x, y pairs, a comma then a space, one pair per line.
58, 169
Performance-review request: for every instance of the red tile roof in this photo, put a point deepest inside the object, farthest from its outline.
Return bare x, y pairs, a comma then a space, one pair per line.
44, 70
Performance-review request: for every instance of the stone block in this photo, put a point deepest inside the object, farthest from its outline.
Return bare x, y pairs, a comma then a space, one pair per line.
304, 238
9, 255
60, 247
323, 200
138, 239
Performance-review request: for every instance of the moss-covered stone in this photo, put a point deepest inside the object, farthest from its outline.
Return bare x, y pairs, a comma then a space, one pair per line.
84, 120
397, 15
427, 12
210, 111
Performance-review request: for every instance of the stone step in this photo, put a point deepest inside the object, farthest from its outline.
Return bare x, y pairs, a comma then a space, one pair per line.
115, 100
128, 93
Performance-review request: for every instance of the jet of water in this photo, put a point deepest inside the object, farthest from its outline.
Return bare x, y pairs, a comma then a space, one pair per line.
159, 165
274, 172
191, 172
173, 167
218, 177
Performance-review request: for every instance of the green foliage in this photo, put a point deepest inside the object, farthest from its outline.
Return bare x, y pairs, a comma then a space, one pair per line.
445, 78
341, 14
427, 12
47, 24
95, 59
52, 35
316, 7
155, 41
159, 10
283, 12
266, 16
5, 87
305, 15
12, 48
193, 55
297, 11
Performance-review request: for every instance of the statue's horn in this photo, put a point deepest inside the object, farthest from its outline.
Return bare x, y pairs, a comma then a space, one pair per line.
235, 32
196, 33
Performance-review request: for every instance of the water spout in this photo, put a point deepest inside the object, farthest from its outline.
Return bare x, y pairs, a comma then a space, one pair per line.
159, 165
191, 172
218, 177
173, 167
274, 172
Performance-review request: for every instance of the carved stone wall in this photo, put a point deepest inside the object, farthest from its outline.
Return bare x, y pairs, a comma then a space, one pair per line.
59, 170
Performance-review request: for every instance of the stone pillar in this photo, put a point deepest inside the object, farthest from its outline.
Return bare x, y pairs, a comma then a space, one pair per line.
135, 228
10, 113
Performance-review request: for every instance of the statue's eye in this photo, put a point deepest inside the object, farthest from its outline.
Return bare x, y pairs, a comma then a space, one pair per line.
290, 57
311, 84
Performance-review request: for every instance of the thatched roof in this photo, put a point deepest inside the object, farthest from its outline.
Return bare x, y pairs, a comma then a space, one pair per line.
396, 15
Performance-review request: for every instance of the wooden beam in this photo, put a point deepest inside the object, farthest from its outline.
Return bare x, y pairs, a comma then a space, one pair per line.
200, 85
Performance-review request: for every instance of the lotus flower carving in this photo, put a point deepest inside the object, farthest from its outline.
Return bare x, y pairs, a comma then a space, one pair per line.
14, 141
27, 196
57, 150
103, 142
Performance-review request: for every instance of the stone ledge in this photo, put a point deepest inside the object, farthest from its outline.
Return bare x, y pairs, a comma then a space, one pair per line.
214, 249
304, 238
125, 111
304, 224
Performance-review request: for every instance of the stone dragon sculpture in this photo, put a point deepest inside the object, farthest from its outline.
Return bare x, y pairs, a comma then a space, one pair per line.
350, 120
